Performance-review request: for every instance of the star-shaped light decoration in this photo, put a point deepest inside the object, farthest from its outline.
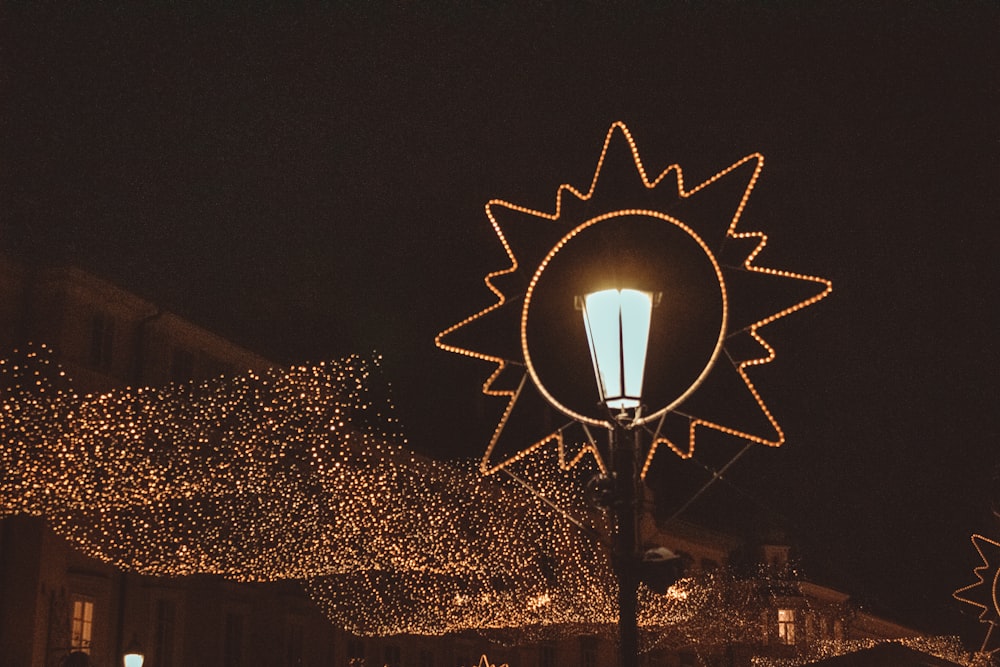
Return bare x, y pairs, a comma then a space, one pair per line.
485, 662
983, 593
683, 243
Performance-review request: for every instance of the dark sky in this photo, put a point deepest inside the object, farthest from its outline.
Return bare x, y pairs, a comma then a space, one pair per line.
311, 182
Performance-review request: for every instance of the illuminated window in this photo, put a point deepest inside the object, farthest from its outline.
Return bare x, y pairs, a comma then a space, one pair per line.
82, 628
786, 626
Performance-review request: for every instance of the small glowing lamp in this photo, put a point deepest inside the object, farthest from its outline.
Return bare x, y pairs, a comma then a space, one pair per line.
617, 323
133, 657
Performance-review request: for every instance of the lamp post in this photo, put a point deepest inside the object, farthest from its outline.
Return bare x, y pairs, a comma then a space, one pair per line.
133, 656
644, 245
617, 323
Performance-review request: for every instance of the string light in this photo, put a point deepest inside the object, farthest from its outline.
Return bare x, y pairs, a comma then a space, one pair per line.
491, 462
295, 474
302, 474
485, 662
946, 648
983, 593
255, 477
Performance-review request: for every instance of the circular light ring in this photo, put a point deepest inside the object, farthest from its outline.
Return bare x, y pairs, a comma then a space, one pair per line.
716, 350
995, 612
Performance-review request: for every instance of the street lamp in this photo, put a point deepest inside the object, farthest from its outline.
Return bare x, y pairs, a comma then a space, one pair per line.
617, 323
134, 656
631, 246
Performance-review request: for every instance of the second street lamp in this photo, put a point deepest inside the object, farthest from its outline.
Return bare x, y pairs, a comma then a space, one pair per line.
134, 656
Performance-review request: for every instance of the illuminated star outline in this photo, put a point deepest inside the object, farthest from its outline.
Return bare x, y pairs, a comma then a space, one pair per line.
485, 662
487, 465
983, 593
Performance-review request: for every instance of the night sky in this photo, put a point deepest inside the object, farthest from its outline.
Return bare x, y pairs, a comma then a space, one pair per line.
310, 183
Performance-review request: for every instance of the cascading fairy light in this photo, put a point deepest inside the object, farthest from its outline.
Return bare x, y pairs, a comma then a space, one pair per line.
242, 477
288, 474
946, 648
302, 474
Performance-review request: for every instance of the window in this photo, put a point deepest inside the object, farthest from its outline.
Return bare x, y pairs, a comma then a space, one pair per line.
82, 625
163, 644
776, 556
102, 340
786, 626
232, 648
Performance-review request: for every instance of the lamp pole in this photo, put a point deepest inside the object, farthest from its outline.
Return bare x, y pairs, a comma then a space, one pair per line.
623, 448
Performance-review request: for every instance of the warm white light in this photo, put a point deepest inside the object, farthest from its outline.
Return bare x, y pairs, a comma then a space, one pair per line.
134, 659
617, 323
